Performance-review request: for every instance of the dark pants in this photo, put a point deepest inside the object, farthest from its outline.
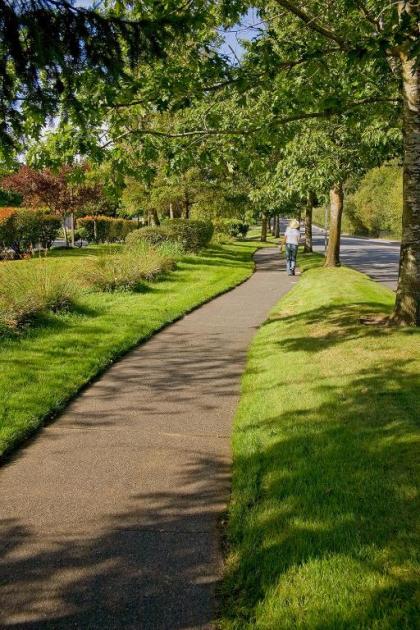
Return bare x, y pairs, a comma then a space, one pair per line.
291, 252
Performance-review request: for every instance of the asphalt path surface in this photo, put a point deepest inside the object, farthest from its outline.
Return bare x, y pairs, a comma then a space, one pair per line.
377, 258
109, 517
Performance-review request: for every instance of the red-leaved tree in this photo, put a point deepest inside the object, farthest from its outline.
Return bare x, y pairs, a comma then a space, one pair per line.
56, 191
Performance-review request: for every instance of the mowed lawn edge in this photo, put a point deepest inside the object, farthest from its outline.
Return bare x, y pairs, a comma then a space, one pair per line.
43, 368
323, 512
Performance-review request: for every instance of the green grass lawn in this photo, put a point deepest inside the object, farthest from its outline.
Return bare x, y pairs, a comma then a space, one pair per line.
43, 367
321, 529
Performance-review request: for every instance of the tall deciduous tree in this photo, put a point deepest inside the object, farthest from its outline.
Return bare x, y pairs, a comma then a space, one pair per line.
377, 43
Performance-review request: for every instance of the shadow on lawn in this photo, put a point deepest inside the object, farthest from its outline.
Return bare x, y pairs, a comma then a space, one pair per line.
326, 503
336, 324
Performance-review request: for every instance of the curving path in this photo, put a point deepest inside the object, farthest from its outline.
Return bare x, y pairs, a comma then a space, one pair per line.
109, 517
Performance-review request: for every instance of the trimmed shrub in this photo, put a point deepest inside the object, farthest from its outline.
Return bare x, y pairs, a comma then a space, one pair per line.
30, 289
192, 235
7, 227
49, 227
152, 235
22, 229
231, 227
103, 229
125, 271
189, 234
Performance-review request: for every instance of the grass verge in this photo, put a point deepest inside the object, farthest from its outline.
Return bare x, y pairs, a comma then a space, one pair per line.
321, 530
42, 368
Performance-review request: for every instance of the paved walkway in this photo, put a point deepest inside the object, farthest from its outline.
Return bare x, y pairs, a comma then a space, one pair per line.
109, 517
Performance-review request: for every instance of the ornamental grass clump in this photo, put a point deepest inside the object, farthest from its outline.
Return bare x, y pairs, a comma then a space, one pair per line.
125, 271
29, 290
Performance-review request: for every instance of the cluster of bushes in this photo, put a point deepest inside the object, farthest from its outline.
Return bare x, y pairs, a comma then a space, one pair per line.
21, 230
231, 227
103, 229
189, 234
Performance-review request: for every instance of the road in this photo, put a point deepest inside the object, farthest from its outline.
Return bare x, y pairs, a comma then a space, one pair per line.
377, 258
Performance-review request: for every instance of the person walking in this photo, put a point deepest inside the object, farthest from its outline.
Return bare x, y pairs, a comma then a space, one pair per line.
291, 239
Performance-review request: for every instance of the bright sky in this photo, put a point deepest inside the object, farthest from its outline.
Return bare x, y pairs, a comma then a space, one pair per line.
248, 28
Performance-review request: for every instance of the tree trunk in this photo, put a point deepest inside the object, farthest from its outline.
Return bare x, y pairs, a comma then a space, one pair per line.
407, 303
155, 217
264, 228
187, 205
66, 238
276, 226
332, 257
308, 223
171, 211
72, 229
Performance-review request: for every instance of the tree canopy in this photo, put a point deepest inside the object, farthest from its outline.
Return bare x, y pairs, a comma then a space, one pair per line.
323, 92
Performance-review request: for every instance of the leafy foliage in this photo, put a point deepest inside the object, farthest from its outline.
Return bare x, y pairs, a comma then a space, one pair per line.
22, 228
191, 235
376, 205
61, 192
154, 235
231, 227
49, 47
103, 229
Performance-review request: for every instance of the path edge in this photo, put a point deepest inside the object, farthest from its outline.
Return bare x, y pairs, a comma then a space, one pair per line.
28, 438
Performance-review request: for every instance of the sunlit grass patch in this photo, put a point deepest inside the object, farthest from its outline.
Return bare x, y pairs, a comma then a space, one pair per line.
42, 367
323, 512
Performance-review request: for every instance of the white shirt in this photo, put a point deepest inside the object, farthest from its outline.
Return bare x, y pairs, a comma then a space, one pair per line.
292, 236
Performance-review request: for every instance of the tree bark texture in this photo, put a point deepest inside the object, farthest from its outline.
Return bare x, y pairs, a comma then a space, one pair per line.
264, 228
308, 223
276, 226
155, 217
332, 257
407, 303
187, 205
73, 224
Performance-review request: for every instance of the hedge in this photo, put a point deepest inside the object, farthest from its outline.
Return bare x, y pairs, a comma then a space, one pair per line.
231, 227
103, 229
22, 229
191, 235
152, 235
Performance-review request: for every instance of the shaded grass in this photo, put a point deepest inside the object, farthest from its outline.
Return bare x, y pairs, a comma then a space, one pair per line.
322, 520
41, 369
